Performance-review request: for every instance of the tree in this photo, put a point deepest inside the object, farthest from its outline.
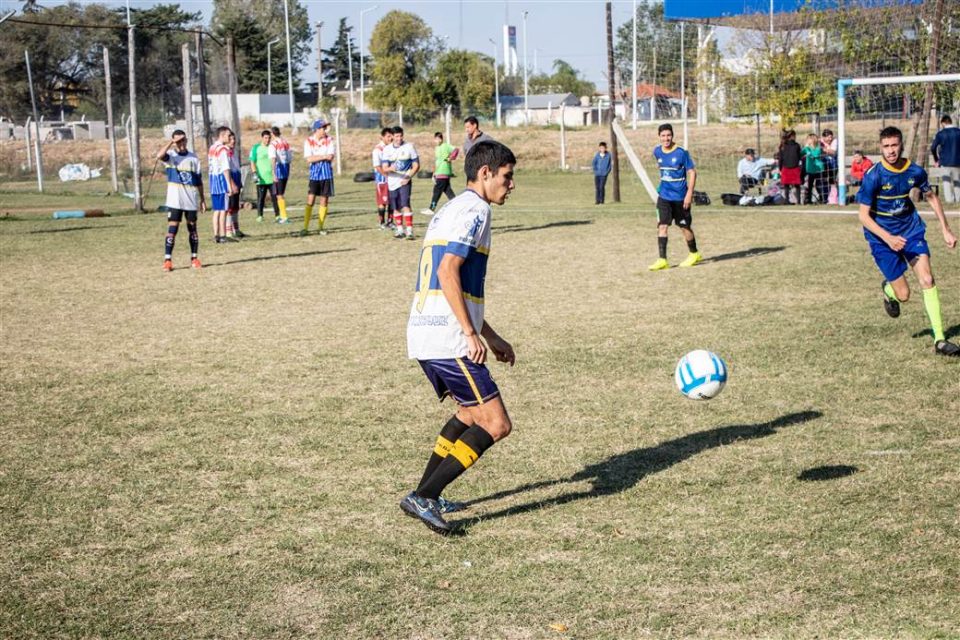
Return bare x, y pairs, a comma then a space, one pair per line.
403, 49
252, 25
658, 47
336, 65
565, 79
464, 79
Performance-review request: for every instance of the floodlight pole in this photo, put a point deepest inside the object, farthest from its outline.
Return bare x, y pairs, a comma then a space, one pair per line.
526, 90
270, 65
286, 26
496, 81
362, 101
633, 75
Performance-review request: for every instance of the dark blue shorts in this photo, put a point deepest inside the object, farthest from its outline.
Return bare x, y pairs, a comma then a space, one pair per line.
218, 201
400, 198
469, 384
893, 264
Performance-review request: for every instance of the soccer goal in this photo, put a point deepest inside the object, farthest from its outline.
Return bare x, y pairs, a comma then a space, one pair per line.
863, 86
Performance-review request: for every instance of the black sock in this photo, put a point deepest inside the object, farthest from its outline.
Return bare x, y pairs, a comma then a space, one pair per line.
463, 454
449, 434
692, 245
662, 243
170, 240
194, 238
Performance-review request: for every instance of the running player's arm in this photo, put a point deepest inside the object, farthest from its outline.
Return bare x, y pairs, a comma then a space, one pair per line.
448, 273
412, 171
502, 349
937, 206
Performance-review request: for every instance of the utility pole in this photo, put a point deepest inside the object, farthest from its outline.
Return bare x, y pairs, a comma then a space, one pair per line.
134, 124
232, 85
36, 120
113, 134
614, 149
188, 96
319, 67
202, 77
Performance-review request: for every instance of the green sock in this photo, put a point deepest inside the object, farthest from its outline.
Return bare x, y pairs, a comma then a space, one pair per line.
931, 300
887, 289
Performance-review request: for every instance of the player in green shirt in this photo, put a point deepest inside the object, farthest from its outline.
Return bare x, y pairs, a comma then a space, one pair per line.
444, 154
262, 165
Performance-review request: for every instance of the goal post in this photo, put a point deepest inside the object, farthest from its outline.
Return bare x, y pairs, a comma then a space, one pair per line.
842, 85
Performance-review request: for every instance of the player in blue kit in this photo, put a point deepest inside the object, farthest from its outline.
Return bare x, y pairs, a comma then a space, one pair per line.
446, 325
678, 176
896, 233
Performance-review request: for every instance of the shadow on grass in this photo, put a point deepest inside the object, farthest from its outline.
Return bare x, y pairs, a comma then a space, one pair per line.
280, 232
83, 228
516, 228
949, 332
828, 472
621, 472
279, 256
746, 253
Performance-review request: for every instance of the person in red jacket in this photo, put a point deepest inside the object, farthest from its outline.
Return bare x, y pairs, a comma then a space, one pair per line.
860, 165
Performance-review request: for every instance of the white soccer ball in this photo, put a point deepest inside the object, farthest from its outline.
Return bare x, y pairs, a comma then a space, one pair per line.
701, 375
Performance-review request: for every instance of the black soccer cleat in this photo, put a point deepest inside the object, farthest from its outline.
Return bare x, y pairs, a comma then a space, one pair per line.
946, 348
450, 506
892, 307
427, 511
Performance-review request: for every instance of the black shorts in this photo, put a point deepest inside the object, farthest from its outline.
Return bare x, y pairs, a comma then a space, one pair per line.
322, 188
176, 215
670, 211
281, 185
400, 198
233, 202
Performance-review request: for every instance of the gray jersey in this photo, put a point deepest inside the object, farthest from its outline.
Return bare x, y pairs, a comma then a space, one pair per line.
468, 143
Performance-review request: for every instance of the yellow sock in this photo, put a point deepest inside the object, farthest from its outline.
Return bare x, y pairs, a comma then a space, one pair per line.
307, 214
283, 207
931, 300
321, 216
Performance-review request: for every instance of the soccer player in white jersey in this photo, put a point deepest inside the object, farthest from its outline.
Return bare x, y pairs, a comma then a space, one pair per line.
446, 325
401, 162
319, 151
380, 176
222, 185
282, 156
184, 195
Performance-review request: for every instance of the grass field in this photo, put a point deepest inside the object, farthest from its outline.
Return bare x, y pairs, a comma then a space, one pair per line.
220, 453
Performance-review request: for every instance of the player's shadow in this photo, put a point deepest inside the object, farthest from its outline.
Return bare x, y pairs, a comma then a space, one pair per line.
279, 256
746, 253
623, 471
69, 229
948, 333
517, 228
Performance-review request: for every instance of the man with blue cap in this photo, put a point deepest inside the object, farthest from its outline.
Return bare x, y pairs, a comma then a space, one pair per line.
319, 151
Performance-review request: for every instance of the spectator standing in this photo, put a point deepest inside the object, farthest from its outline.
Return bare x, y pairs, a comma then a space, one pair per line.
472, 128
829, 146
946, 155
813, 163
444, 154
602, 163
789, 159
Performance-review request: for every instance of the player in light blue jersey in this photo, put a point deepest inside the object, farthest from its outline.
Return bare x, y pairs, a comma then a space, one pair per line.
678, 176
896, 233
446, 326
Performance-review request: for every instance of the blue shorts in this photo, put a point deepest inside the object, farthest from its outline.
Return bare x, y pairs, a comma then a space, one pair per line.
400, 198
469, 384
893, 264
218, 201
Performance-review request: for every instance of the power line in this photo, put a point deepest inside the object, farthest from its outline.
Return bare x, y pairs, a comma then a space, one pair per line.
117, 26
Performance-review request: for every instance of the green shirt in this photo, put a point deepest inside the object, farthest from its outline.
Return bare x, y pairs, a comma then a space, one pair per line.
813, 159
442, 167
263, 164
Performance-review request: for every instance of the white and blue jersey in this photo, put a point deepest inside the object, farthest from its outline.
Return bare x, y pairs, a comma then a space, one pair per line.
886, 190
377, 158
235, 174
673, 164
183, 180
218, 161
461, 227
398, 160
322, 170
281, 151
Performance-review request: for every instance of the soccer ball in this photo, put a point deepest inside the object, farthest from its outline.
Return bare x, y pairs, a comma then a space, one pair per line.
701, 375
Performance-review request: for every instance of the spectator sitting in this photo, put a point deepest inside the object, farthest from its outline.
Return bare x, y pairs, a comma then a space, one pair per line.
750, 170
860, 165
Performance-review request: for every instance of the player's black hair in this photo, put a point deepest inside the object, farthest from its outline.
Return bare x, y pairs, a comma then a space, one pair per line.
178, 132
222, 129
275, 130
487, 153
827, 132
946, 120
472, 120
858, 152
749, 152
386, 130
666, 126
397, 129
602, 144
438, 135
265, 132
891, 132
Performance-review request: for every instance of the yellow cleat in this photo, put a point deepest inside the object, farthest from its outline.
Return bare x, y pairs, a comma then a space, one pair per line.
692, 259
659, 265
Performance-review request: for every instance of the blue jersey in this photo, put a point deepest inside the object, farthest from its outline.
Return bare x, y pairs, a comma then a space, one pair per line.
322, 169
886, 191
673, 166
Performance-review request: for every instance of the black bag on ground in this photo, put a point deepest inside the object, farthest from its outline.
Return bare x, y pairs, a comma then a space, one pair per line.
701, 198
730, 199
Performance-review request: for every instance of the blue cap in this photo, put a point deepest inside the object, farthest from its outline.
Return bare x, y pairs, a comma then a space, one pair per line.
320, 123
